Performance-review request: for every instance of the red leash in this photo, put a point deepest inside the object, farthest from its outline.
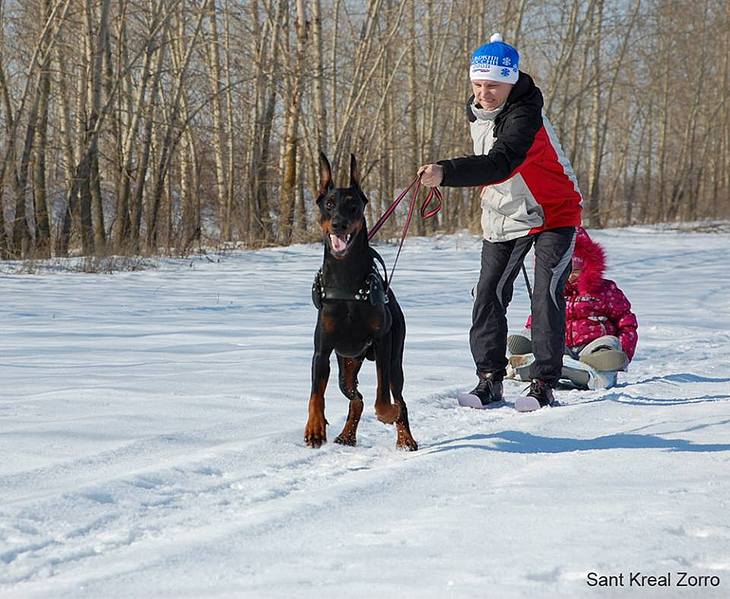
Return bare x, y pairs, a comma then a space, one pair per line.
434, 192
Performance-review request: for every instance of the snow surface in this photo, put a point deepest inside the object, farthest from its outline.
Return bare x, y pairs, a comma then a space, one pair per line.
151, 445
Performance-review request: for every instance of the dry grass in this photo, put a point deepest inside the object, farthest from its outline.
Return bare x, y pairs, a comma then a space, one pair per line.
87, 264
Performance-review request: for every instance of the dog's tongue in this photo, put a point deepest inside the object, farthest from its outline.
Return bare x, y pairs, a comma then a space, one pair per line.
339, 242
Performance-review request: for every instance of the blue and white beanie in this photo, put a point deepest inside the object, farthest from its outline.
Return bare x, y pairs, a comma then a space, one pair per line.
495, 61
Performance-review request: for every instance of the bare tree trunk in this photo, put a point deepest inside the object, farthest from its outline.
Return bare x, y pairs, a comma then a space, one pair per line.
71, 211
415, 109
267, 84
6, 104
333, 62
120, 119
124, 237
231, 176
21, 229
92, 215
631, 193
574, 151
42, 224
664, 128
647, 199
594, 175
4, 249
215, 77
291, 135
147, 137
189, 188
320, 107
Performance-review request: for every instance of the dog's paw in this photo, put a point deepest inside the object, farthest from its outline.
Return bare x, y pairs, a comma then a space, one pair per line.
315, 440
315, 433
343, 439
387, 414
406, 443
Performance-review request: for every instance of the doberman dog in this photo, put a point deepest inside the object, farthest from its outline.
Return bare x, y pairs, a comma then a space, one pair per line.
358, 317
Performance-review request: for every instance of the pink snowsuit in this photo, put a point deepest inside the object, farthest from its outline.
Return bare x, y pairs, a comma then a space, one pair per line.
596, 306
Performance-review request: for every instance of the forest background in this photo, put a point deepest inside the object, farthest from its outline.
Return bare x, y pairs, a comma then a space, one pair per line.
162, 126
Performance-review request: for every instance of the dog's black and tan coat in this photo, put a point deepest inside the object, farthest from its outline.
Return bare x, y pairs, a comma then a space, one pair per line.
353, 324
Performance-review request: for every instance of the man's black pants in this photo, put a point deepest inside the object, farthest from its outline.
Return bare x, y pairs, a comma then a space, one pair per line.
501, 264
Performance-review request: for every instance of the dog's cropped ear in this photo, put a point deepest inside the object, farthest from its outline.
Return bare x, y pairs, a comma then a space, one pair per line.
354, 173
325, 175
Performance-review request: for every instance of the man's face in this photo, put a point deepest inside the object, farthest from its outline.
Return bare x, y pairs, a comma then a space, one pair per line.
490, 94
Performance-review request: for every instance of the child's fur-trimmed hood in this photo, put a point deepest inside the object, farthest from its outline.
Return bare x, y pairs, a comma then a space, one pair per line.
591, 258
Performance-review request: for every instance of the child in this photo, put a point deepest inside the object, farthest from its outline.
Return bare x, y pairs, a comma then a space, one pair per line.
600, 328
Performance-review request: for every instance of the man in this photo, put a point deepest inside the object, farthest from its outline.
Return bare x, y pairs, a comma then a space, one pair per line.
530, 197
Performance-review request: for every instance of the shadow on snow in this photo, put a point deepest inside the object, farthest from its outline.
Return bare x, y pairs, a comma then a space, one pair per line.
521, 442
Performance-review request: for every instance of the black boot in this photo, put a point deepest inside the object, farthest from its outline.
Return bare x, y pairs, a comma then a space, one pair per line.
542, 392
489, 388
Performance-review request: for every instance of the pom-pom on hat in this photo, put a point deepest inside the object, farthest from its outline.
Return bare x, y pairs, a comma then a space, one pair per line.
495, 61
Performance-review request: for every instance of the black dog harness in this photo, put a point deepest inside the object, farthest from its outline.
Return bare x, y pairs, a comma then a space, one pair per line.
373, 290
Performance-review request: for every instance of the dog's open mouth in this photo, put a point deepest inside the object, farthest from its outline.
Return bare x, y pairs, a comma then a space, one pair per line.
339, 243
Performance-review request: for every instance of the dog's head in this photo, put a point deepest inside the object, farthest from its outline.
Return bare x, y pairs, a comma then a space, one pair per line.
341, 209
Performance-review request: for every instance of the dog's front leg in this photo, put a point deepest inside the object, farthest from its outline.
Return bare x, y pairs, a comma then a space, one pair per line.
385, 411
315, 433
349, 367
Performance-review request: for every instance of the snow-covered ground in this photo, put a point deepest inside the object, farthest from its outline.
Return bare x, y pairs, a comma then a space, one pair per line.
151, 439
